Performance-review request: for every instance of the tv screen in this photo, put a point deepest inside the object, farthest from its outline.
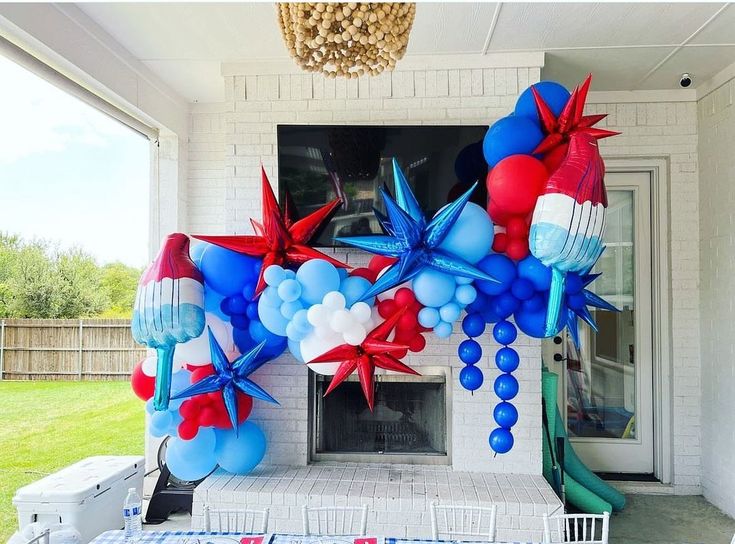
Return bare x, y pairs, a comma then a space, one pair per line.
319, 163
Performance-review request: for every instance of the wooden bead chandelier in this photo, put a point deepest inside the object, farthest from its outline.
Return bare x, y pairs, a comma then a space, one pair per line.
346, 39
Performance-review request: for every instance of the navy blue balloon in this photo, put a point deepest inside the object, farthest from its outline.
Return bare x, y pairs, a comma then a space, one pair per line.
554, 94
506, 386
236, 305
469, 352
501, 268
536, 272
473, 325
470, 165
489, 314
505, 333
522, 289
477, 305
470, 377
239, 321
505, 415
501, 440
511, 135
507, 359
505, 304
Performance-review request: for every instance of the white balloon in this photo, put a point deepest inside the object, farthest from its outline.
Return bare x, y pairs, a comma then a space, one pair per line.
361, 312
312, 346
355, 335
196, 351
318, 315
324, 332
342, 320
149, 365
334, 300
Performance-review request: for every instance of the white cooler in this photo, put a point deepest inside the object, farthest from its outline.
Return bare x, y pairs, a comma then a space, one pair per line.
88, 495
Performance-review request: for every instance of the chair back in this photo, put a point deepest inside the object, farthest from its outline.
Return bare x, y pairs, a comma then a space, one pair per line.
335, 520
577, 528
460, 522
236, 521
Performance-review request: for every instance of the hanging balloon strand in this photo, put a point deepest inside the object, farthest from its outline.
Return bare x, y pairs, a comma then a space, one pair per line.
506, 387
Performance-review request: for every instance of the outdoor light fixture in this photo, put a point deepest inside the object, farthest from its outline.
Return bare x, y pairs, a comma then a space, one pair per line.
346, 39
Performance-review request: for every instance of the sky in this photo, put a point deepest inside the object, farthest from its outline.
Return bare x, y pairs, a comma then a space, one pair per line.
70, 174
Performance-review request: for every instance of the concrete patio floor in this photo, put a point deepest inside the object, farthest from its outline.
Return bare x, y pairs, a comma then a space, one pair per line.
647, 519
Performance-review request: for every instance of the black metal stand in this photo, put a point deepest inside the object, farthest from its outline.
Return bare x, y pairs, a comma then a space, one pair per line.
168, 497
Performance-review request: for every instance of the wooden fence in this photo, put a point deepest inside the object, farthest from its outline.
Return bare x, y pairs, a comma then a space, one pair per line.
67, 349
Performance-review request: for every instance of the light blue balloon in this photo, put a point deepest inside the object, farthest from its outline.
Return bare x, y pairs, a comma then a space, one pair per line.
192, 460
289, 309
443, 329
449, 313
213, 303
461, 280
429, 317
433, 288
342, 273
196, 249
471, 237
295, 349
317, 278
294, 334
270, 297
274, 275
271, 317
353, 287
160, 423
149, 406
465, 294
289, 290
289, 274
241, 453
301, 321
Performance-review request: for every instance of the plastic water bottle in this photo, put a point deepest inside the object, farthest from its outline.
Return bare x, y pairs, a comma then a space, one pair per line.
133, 516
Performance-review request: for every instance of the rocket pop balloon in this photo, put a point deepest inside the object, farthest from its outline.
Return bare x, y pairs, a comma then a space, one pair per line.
169, 308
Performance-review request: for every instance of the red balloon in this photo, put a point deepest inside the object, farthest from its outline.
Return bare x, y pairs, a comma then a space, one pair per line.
515, 183
387, 308
517, 249
189, 409
244, 406
500, 242
553, 158
407, 322
188, 429
143, 386
517, 227
201, 372
208, 417
417, 343
366, 273
379, 262
499, 216
404, 297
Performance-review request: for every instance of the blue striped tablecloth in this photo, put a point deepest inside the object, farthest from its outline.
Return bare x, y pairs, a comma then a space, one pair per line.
203, 537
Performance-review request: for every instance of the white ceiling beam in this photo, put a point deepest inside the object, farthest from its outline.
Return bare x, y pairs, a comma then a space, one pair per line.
493, 25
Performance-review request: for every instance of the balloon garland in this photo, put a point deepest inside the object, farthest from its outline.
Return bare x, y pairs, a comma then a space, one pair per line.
235, 303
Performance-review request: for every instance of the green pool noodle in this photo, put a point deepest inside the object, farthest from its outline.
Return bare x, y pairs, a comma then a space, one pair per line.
576, 492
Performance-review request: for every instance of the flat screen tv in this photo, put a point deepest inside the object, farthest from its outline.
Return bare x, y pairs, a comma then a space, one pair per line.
318, 163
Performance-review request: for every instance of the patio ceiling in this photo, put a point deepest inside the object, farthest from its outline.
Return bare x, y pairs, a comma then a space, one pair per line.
629, 46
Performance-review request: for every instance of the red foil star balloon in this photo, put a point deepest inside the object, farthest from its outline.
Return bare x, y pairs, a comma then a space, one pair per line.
570, 120
277, 239
374, 352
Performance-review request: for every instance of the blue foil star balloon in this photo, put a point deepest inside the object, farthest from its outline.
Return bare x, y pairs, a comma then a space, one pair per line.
410, 239
577, 306
230, 378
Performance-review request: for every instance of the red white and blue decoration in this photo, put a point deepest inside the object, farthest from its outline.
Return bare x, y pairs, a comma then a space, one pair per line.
519, 263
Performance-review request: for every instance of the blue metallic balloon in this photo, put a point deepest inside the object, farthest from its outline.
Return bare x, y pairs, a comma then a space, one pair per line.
507, 359
506, 386
471, 378
501, 440
505, 414
469, 352
505, 333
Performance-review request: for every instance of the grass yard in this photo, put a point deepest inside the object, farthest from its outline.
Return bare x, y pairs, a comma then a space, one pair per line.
49, 425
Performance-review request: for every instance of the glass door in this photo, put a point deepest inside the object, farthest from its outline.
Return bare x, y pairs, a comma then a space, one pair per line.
606, 396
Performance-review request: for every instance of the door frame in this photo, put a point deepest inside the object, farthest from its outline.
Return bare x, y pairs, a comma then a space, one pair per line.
658, 169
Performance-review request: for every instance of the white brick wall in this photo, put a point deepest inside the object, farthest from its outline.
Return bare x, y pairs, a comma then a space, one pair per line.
717, 261
242, 135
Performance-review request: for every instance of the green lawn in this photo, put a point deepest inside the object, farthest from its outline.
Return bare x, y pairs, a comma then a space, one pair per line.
45, 426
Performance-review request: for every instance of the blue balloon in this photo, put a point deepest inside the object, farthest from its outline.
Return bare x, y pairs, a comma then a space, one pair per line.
473, 325
294, 334
536, 272
479, 304
532, 323
505, 304
554, 94
471, 236
501, 440
469, 352
511, 136
317, 278
289, 290
295, 349
429, 317
243, 340
433, 288
241, 453
225, 270
289, 309
450, 312
507, 359
505, 414
270, 298
274, 344
274, 275
248, 292
194, 459
353, 287
573, 284
236, 305
160, 423
499, 267
465, 294
271, 317
522, 289
239, 322
506, 386
196, 249
533, 304
505, 333
471, 378
443, 329
576, 301
252, 311
301, 321
213, 303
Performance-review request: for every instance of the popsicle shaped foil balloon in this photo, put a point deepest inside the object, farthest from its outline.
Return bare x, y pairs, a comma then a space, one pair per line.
169, 308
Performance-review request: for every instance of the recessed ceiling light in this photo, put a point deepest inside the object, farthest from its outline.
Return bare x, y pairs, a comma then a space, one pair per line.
685, 80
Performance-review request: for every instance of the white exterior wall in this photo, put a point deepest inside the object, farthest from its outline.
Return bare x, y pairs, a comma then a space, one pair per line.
717, 261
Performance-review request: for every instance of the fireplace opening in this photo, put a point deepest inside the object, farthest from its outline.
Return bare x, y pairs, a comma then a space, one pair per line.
409, 423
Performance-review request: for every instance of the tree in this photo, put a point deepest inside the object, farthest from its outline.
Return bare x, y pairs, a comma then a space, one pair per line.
119, 282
